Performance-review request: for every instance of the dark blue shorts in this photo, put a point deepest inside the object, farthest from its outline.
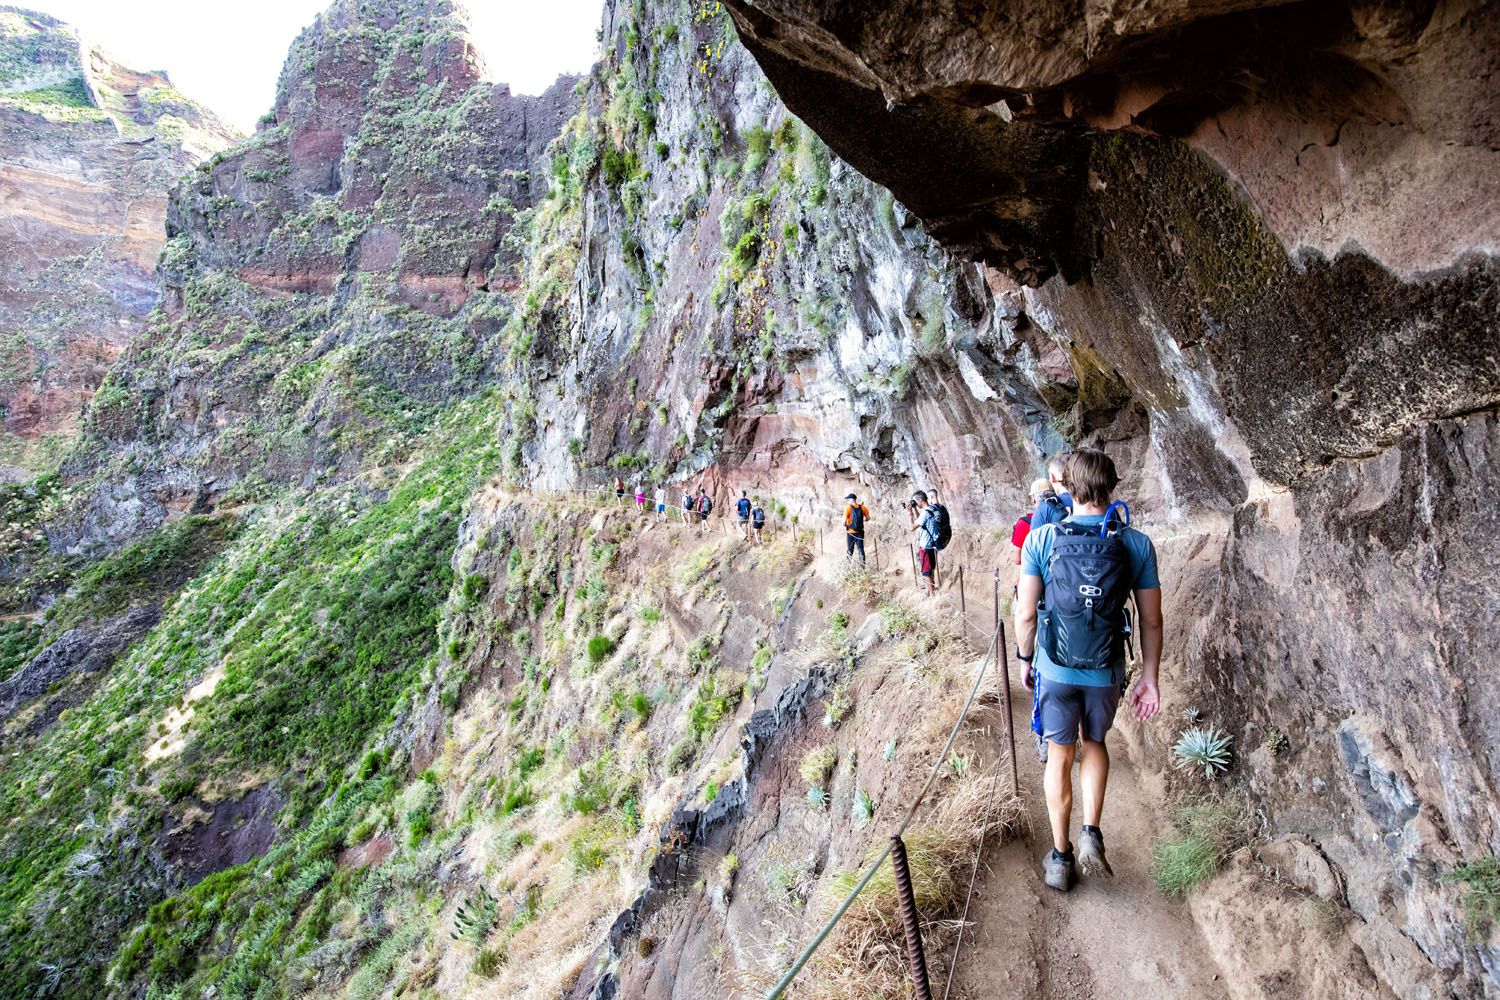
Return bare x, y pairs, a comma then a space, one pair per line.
1068, 708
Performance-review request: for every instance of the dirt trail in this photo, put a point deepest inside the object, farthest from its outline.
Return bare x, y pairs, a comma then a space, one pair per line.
1116, 938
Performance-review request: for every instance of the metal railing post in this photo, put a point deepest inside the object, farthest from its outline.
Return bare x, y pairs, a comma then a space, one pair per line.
916, 961
962, 607
1010, 731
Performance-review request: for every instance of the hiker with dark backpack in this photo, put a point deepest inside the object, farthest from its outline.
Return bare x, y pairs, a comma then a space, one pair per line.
742, 506
1054, 504
757, 519
855, 516
934, 531
705, 504
1072, 629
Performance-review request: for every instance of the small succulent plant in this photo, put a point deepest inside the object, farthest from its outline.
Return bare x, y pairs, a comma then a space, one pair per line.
1206, 747
816, 797
476, 916
1276, 742
890, 750
864, 807
1190, 714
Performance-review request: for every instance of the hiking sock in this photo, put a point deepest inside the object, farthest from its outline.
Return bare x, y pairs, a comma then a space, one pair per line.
1064, 855
1095, 831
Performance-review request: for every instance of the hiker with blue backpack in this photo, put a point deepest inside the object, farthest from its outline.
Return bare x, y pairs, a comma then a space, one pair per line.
1072, 631
757, 519
1054, 503
930, 521
742, 508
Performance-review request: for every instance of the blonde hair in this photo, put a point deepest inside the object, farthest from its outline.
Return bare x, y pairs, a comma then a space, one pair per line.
1040, 486
1091, 477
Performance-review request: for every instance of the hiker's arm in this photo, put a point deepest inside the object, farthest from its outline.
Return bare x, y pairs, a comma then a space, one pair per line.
1028, 593
1145, 699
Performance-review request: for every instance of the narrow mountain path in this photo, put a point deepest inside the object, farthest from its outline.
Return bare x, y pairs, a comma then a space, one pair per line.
1109, 938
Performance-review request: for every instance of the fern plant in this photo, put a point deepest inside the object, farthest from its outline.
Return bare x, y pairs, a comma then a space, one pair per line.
1206, 747
476, 916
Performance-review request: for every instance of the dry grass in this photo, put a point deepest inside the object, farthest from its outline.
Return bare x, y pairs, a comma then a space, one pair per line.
862, 959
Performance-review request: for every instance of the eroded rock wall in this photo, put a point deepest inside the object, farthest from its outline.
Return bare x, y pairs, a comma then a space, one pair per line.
1265, 237
88, 149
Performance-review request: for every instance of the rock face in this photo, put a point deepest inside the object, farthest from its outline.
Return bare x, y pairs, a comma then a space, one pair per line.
1265, 235
326, 283
90, 148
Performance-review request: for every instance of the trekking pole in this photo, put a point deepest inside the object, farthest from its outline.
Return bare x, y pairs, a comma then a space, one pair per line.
1010, 732
912, 551
962, 607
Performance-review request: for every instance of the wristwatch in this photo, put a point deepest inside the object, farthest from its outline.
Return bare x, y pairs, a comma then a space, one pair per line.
1023, 657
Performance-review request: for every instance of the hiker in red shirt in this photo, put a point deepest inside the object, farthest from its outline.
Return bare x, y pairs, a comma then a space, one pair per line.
1022, 527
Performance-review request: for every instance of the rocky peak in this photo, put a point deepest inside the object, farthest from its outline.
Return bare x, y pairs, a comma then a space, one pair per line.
88, 148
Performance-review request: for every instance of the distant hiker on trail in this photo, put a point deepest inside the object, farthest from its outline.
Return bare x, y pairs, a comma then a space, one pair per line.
1054, 503
1074, 645
705, 504
661, 503
619, 490
689, 504
742, 507
640, 497
930, 522
1018, 534
855, 516
757, 519
1022, 527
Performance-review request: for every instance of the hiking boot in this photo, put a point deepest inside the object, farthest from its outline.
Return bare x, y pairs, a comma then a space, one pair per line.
1041, 747
1091, 852
1057, 870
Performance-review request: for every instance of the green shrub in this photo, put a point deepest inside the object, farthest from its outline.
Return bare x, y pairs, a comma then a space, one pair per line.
475, 917
757, 148
1206, 830
600, 646
1479, 894
640, 704
530, 760
710, 706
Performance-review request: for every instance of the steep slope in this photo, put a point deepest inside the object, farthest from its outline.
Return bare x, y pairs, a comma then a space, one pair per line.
90, 148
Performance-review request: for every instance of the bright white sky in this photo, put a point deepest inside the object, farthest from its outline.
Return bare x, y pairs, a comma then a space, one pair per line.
227, 55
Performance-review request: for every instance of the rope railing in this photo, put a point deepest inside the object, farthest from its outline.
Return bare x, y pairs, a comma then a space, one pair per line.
806, 955
894, 849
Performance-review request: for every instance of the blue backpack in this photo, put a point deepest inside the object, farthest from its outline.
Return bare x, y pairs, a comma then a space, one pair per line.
744, 506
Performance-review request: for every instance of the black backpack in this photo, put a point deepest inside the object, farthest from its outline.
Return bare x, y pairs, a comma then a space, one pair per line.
856, 518
941, 530
1084, 623
758, 516
707, 504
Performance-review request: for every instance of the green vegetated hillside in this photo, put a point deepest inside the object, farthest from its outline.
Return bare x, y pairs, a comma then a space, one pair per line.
281, 679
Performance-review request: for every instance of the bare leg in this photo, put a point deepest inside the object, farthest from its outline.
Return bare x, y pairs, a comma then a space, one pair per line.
1093, 775
1059, 782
